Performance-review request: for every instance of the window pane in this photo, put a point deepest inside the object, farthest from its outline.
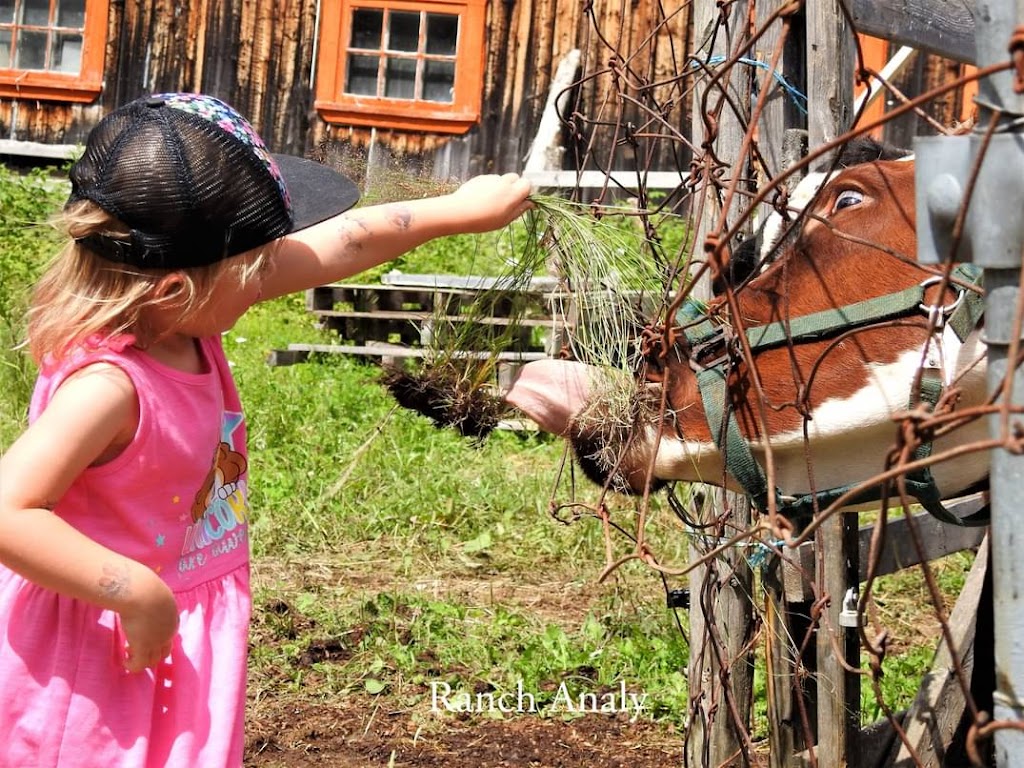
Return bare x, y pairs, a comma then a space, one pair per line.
400, 79
404, 31
366, 26
7, 12
361, 78
66, 52
31, 50
71, 13
36, 12
439, 81
442, 33
5, 48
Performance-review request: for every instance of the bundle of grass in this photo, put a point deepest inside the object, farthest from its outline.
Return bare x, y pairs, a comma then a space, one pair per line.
609, 280
612, 276
447, 396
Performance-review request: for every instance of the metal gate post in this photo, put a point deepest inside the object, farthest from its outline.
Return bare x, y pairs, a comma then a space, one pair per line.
994, 236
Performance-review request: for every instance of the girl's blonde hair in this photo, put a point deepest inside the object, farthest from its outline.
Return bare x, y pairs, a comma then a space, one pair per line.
82, 295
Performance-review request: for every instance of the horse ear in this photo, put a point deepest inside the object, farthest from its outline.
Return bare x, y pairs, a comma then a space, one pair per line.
865, 149
552, 392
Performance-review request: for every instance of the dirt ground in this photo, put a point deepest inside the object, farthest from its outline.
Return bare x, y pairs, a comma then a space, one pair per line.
286, 733
288, 728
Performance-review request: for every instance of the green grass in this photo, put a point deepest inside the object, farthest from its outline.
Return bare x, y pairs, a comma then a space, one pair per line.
26, 243
383, 501
398, 644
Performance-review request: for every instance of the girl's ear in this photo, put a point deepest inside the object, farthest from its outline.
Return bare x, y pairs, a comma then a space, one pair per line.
170, 290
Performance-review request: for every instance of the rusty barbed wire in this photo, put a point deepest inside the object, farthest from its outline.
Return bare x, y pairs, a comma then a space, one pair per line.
629, 110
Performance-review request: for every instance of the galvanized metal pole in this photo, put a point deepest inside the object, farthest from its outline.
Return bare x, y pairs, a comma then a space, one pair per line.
995, 236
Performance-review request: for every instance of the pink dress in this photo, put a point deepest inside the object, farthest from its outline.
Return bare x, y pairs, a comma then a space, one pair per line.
175, 500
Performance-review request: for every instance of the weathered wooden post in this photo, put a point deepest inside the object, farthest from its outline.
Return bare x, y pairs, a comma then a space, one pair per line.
782, 140
818, 55
830, 67
721, 669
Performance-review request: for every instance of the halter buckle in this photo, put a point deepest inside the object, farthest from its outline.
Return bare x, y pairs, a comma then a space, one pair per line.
712, 351
937, 314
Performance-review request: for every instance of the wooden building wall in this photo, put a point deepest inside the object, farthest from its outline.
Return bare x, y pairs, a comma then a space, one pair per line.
258, 54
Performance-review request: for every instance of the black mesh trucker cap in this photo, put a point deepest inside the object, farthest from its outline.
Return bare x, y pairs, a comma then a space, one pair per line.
196, 184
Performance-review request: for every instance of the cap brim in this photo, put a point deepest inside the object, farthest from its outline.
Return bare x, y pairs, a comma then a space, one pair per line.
317, 191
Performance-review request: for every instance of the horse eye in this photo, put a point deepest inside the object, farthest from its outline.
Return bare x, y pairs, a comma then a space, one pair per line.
846, 198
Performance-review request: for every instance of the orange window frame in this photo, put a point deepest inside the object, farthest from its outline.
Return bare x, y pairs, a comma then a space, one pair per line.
83, 86
458, 116
876, 54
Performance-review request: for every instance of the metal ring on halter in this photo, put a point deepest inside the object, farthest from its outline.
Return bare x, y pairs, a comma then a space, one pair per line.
946, 309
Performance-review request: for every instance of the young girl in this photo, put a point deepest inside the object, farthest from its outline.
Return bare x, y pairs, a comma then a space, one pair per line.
124, 577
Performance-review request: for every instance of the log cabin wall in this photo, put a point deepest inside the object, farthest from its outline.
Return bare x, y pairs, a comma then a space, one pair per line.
254, 54
258, 55
526, 41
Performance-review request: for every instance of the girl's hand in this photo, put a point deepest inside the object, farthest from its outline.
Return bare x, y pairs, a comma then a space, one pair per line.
492, 201
149, 623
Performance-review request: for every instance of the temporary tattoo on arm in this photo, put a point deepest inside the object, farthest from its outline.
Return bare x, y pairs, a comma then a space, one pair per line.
400, 216
358, 221
115, 582
350, 238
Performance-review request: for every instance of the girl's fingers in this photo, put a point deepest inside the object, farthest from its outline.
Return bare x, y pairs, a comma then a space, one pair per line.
135, 663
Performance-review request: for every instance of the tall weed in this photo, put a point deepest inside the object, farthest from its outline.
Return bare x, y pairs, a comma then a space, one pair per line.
27, 201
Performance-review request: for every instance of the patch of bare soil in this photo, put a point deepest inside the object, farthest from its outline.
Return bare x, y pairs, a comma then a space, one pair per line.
290, 732
287, 728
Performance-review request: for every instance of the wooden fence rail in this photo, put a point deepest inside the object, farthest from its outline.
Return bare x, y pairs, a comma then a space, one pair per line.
409, 316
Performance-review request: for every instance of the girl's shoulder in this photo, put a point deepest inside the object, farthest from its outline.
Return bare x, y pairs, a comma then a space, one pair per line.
93, 356
84, 352
96, 403
90, 393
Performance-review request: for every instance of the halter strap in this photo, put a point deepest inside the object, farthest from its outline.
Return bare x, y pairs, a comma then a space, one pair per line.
711, 340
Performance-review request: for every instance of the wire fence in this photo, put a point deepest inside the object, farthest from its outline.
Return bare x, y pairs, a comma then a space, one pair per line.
705, 99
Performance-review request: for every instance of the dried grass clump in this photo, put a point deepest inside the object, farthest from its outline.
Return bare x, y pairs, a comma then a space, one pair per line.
605, 430
607, 275
608, 268
447, 397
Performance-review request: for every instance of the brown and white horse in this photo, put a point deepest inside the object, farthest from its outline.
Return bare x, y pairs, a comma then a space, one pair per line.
817, 407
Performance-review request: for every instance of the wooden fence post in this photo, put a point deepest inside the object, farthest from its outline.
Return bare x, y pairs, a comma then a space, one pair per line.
830, 64
721, 607
785, 622
721, 666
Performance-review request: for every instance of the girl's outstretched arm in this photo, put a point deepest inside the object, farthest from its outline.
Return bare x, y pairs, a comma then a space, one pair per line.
88, 420
365, 237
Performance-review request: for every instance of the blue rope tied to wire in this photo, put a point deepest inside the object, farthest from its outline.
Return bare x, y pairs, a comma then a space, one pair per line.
763, 553
799, 100
760, 553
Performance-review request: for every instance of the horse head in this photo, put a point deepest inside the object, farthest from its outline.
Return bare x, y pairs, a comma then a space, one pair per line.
802, 369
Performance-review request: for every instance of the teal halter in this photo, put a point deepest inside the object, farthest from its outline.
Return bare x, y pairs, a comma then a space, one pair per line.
710, 341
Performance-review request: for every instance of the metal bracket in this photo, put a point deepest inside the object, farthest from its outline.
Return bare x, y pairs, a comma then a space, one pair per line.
993, 227
941, 166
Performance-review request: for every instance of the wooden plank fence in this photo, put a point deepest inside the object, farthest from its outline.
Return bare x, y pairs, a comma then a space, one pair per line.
404, 316
817, 695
